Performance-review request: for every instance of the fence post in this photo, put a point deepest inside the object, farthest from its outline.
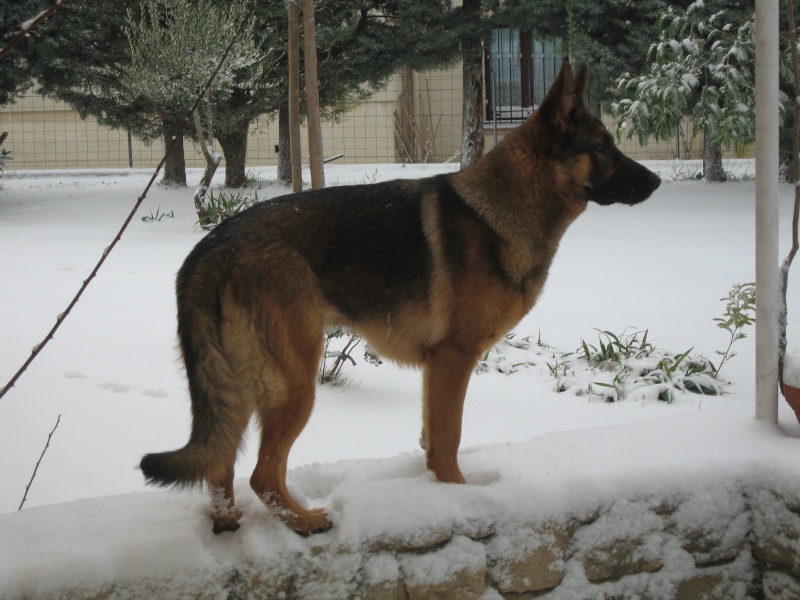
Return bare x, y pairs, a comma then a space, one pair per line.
130, 149
767, 210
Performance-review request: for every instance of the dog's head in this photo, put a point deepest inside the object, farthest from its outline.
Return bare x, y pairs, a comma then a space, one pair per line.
585, 151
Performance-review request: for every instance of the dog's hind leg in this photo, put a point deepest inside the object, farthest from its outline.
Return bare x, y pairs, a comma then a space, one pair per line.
446, 374
280, 427
224, 513
291, 356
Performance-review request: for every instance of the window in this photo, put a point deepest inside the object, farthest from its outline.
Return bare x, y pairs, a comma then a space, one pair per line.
520, 70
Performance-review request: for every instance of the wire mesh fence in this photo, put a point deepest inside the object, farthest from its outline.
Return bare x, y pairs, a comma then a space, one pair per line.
415, 118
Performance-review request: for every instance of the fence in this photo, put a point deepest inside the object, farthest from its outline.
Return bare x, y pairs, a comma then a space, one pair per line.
416, 117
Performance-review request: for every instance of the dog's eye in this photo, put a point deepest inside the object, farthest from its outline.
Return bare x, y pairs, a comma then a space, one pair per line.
601, 147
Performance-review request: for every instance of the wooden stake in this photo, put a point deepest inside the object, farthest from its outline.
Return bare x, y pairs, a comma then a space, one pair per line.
312, 96
294, 96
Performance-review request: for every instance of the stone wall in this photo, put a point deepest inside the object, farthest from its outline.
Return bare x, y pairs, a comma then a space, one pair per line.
741, 542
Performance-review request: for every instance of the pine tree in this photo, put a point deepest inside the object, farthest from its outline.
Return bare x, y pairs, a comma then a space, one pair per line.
15, 77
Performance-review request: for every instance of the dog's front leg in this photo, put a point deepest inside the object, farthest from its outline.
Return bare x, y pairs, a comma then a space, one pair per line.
446, 374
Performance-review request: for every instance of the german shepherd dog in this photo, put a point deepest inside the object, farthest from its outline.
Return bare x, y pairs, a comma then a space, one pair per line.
432, 272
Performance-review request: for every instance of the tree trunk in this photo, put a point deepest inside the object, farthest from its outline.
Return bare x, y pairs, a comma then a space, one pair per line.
312, 96
472, 141
294, 96
712, 161
284, 156
175, 164
234, 149
212, 162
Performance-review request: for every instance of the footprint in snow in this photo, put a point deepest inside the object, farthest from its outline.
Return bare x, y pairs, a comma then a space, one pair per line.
119, 388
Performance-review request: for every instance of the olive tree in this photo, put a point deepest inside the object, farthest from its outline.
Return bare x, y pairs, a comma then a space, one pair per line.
174, 47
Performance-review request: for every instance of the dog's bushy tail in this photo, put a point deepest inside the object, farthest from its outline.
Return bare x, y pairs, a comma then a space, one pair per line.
219, 416
183, 467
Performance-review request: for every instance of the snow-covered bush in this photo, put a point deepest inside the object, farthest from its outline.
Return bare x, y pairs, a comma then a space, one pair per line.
702, 66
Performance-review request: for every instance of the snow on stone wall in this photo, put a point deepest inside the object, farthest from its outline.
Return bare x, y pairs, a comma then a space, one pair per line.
728, 542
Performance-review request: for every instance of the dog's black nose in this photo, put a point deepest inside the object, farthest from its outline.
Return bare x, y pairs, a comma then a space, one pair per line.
653, 181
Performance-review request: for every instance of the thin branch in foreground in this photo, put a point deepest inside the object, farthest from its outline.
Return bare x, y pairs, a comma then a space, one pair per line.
178, 136
30, 25
38, 462
784, 269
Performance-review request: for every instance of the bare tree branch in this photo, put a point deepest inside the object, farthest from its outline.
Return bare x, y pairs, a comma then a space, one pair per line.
30, 25
38, 462
178, 136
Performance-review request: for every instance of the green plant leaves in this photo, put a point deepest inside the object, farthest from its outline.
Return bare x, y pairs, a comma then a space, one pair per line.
627, 365
225, 204
613, 368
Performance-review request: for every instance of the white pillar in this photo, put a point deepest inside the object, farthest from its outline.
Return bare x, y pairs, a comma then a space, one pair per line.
767, 209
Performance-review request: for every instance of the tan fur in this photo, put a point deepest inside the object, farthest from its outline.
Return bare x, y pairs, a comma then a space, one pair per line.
254, 300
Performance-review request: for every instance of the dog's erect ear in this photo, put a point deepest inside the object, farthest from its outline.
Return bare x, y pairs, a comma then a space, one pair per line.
564, 95
559, 90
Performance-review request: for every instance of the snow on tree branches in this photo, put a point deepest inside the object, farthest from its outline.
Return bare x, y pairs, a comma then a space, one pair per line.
175, 46
703, 67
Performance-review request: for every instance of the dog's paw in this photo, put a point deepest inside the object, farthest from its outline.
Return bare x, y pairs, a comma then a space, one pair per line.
316, 521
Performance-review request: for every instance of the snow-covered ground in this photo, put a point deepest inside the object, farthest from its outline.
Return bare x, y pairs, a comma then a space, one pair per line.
112, 372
